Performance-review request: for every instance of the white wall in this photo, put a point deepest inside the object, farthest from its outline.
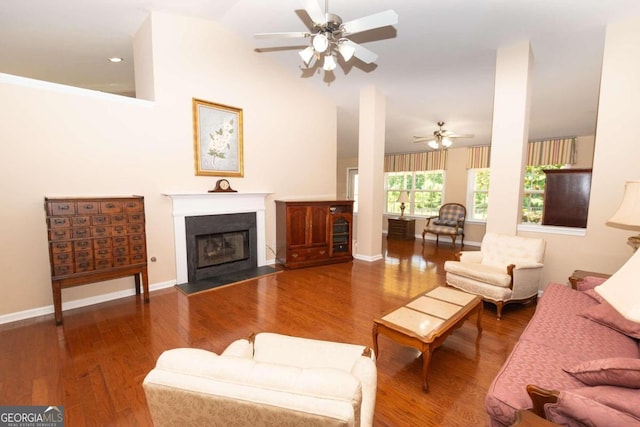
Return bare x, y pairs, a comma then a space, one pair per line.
61, 141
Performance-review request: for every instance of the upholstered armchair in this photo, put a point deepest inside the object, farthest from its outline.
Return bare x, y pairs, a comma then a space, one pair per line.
268, 379
449, 221
506, 269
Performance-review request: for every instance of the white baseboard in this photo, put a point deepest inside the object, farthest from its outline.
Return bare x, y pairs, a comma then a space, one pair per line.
43, 311
368, 258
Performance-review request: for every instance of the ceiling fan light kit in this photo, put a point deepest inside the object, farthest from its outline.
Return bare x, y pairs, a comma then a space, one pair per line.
328, 35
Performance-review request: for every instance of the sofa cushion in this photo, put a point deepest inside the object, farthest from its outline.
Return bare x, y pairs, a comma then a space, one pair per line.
606, 315
484, 273
574, 405
622, 291
618, 371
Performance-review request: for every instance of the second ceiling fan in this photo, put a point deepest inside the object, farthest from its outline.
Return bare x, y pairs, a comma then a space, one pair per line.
441, 138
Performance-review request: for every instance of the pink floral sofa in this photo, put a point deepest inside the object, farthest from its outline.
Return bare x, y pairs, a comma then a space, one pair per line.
577, 363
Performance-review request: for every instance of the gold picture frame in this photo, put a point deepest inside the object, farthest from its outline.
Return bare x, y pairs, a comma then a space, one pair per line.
217, 134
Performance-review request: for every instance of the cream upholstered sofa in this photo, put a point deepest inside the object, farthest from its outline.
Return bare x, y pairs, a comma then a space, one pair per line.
505, 270
269, 379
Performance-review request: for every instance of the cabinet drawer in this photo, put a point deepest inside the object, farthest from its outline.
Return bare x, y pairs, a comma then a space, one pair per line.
120, 251
138, 248
63, 269
139, 217
84, 265
80, 221
80, 245
88, 207
100, 220
120, 241
121, 261
101, 264
102, 243
80, 232
101, 231
83, 255
309, 254
136, 238
135, 228
59, 222
138, 258
133, 205
62, 208
60, 247
111, 207
119, 230
60, 234
62, 258
119, 219
103, 253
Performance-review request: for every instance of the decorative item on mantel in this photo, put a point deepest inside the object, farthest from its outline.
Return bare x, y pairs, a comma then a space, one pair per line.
403, 198
223, 186
628, 214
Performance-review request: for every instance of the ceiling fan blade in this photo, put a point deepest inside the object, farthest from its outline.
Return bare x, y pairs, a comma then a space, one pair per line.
423, 138
289, 35
377, 20
313, 10
453, 135
362, 53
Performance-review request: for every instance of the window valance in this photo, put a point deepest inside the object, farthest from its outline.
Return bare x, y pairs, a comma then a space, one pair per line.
478, 157
552, 152
412, 162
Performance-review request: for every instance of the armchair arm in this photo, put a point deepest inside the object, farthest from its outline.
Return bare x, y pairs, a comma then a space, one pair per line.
540, 397
470, 256
526, 265
430, 218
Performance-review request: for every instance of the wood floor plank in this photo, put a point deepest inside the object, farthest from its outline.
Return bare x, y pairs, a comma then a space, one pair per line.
95, 362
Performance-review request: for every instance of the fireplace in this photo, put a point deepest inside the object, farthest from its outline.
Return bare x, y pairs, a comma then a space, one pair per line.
220, 244
189, 207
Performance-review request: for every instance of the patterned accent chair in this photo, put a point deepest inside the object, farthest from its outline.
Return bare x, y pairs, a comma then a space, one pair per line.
266, 380
449, 221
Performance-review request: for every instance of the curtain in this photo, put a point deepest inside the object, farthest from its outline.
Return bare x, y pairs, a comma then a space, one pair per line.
412, 162
552, 152
478, 157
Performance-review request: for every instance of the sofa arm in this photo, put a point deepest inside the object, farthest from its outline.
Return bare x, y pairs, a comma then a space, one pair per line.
239, 348
573, 406
364, 369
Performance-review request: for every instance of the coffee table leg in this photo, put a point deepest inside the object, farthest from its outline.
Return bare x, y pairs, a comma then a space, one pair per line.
479, 321
375, 339
426, 359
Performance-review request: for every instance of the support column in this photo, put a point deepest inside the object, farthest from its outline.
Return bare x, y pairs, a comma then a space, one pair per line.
509, 137
370, 174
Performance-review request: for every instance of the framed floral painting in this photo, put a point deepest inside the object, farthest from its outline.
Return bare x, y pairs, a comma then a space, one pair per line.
217, 131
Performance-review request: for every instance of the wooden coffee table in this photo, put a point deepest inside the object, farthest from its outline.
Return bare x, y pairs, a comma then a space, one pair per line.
427, 320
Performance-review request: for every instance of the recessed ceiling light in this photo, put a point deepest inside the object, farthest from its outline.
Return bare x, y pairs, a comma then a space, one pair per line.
115, 59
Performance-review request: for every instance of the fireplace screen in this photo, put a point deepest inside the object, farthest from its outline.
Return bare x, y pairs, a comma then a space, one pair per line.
221, 248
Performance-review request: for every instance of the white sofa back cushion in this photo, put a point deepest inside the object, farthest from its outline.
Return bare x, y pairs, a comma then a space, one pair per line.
320, 392
622, 290
500, 250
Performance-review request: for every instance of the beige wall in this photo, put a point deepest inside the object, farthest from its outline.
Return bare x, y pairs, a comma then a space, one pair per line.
61, 141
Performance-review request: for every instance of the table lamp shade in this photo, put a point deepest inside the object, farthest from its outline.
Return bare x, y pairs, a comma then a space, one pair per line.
628, 214
403, 197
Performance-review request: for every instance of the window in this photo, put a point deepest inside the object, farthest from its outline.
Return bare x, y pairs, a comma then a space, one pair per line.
425, 190
478, 194
533, 199
352, 187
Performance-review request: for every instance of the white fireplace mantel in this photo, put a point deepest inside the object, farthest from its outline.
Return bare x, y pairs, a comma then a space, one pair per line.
197, 204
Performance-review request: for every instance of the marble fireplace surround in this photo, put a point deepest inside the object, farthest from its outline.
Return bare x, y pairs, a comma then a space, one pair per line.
198, 204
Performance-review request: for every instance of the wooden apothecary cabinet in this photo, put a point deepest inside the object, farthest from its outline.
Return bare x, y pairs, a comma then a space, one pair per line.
95, 239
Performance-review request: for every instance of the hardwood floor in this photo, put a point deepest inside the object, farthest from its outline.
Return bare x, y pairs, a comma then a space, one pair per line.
94, 364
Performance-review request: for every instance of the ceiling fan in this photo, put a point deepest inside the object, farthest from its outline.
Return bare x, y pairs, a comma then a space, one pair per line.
441, 138
329, 35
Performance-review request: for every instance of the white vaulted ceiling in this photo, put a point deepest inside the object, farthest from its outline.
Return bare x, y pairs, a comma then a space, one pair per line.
436, 64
